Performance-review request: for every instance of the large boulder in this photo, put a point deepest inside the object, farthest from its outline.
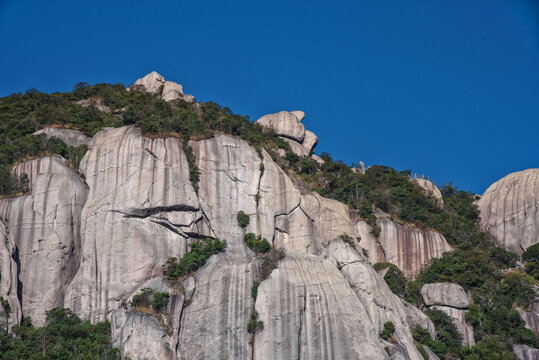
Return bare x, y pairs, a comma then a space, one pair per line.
150, 83
446, 294
286, 124
509, 210
430, 189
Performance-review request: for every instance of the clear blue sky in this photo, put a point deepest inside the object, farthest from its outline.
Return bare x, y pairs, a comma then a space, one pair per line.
445, 88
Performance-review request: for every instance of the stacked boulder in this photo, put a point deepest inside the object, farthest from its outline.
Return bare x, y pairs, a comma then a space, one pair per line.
155, 84
288, 126
452, 300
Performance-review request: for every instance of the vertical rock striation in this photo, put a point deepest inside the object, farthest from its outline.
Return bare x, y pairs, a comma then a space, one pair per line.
510, 210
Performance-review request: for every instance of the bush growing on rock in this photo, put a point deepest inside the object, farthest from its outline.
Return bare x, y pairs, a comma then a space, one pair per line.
243, 219
257, 243
389, 329
254, 325
394, 277
200, 252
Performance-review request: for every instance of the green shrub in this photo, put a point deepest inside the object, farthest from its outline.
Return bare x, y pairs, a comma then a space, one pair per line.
243, 219
160, 301
422, 336
389, 329
143, 299
257, 243
422, 351
200, 252
254, 325
64, 336
446, 330
394, 277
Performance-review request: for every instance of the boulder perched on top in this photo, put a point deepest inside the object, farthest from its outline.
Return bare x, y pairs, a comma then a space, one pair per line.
286, 124
445, 294
154, 83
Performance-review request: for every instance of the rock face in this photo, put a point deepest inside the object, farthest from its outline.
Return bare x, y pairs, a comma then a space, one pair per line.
430, 189
155, 84
448, 294
92, 248
510, 210
45, 228
406, 248
140, 205
451, 299
70, 137
524, 352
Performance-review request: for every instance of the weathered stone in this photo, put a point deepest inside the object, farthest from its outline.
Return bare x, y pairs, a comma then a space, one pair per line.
318, 159
285, 124
408, 249
430, 354
302, 302
446, 294
373, 293
44, 226
150, 83
415, 317
172, 91
525, 352
510, 210
430, 189
214, 324
8, 276
458, 316
531, 318
296, 147
309, 142
141, 207
69, 137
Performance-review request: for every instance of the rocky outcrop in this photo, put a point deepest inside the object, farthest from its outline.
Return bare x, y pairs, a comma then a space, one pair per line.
408, 249
510, 210
141, 206
69, 137
287, 124
140, 209
452, 300
304, 299
44, 227
430, 189
96, 103
531, 318
374, 294
524, 352
155, 84
447, 294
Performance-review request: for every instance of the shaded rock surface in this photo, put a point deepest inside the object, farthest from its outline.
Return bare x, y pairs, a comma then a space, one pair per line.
8, 275
408, 249
447, 294
524, 352
531, 318
510, 210
70, 137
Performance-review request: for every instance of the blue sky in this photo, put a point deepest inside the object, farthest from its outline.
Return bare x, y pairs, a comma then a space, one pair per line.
445, 88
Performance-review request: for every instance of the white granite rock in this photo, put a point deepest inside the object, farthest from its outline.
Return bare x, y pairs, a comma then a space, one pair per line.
408, 249
446, 294
172, 91
285, 124
510, 210
141, 208
525, 352
458, 316
430, 189
45, 228
150, 83
8, 276
310, 141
